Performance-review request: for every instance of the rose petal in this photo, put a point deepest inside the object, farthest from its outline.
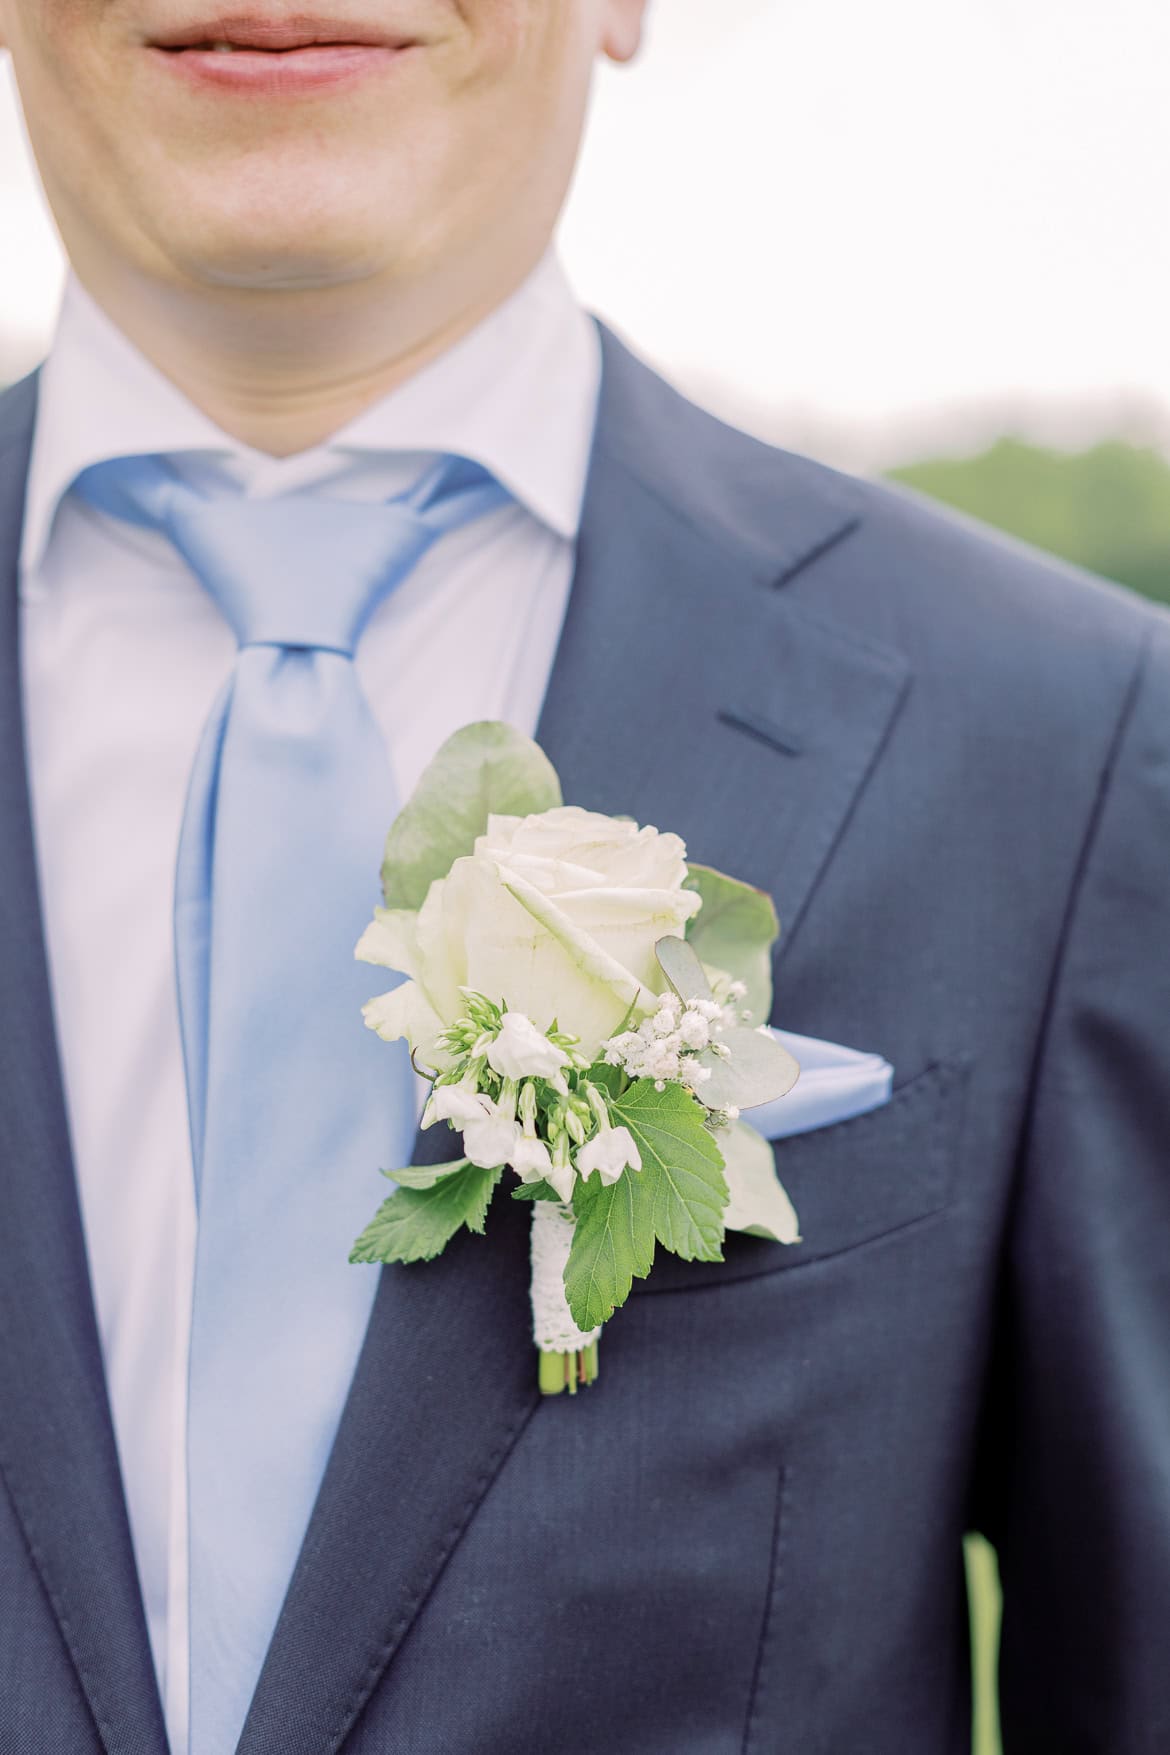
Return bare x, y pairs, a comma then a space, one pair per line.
391, 940
405, 1012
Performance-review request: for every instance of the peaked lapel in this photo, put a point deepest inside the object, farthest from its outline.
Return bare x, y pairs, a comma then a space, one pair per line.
57, 1452
686, 692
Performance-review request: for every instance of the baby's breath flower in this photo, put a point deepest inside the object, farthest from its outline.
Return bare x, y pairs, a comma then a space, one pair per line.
661, 1061
694, 1030
693, 1074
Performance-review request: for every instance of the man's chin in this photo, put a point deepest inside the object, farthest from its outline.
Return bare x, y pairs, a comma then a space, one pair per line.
272, 261
275, 271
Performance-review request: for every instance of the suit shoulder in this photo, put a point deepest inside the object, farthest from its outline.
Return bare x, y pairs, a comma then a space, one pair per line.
948, 556
961, 600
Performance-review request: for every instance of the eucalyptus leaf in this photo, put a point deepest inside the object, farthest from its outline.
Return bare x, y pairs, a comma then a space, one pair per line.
416, 1224
735, 930
758, 1201
756, 1069
425, 1175
485, 769
679, 962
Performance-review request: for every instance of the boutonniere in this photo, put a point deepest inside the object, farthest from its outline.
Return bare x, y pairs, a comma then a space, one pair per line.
583, 1003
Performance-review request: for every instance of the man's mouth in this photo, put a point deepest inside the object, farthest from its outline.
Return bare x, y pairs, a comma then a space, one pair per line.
279, 56
275, 36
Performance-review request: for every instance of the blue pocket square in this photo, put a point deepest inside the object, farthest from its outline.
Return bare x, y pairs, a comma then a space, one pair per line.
835, 1084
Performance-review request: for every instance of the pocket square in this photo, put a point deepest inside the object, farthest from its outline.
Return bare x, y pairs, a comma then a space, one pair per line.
835, 1084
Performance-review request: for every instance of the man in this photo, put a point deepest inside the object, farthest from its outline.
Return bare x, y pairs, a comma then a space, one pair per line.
253, 1497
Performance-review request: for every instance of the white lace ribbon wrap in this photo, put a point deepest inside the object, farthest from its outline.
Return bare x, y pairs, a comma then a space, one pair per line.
553, 1328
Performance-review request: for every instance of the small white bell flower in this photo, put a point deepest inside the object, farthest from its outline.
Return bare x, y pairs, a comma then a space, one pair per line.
455, 1103
521, 1051
531, 1160
493, 1138
563, 1178
609, 1152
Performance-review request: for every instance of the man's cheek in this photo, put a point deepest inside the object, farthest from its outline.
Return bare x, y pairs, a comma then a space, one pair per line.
518, 35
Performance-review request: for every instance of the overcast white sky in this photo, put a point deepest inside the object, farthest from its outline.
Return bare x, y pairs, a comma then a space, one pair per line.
849, 211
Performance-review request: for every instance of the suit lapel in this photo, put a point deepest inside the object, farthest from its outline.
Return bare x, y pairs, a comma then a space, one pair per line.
689, 691
686, 692
57, 1450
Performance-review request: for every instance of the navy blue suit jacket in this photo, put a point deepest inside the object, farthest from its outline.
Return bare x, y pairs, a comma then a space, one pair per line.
949, 761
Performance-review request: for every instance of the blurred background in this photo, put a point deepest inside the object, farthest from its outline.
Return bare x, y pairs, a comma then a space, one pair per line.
923, 236
920, 237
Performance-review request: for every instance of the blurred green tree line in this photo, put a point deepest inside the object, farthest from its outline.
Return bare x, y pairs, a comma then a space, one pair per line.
1107, 509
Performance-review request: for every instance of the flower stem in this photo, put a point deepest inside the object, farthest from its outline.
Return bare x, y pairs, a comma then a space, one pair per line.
558, 1372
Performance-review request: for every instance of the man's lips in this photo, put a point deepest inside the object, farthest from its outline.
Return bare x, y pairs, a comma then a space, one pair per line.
275, 36
278, 57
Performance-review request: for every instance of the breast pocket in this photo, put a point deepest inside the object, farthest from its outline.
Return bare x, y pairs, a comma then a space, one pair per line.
850, 1183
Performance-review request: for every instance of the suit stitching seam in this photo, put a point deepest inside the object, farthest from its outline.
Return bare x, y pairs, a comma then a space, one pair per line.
938, 1075
1080, 871
799, 1267
892, 659
842, 803
88, 1679
765, 572
936, 1078
1023, 1140
381, 1657
775, 1574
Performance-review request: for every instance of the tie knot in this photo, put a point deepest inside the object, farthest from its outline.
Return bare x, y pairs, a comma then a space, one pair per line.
305, 571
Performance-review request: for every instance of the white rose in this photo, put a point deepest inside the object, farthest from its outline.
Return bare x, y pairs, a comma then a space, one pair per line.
556, 914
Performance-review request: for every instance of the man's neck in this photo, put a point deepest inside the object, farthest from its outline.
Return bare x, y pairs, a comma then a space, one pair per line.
281, 372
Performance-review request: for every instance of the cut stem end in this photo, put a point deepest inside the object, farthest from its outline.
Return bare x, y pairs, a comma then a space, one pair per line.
561, 1372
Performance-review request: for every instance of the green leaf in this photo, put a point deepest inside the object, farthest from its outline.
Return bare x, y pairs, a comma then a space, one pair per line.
613, 1241
735, 930
756, 1069
416, 1224
425, 1175
676, 1199
483, 770
758, 1202
608, 1079
535, 1191
682, 1168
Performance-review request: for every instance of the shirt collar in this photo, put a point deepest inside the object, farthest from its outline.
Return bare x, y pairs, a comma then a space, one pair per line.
518, 394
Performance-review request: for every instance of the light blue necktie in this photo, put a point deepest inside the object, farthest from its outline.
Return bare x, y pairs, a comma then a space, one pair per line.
294, 1106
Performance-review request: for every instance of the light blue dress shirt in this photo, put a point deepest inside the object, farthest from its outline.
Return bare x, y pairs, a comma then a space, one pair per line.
124, 653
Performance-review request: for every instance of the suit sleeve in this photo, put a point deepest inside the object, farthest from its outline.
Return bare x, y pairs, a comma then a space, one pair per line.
1079, 1507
